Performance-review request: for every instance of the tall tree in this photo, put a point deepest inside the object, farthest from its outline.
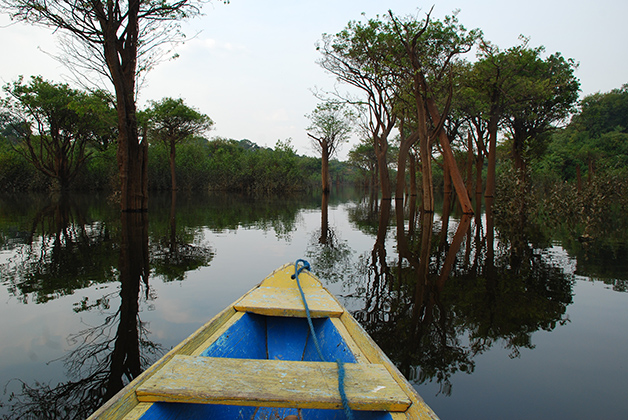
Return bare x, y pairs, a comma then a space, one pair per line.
331, 126
116, 33
493, 79
546, 92
55, 124
171, 121
429, 48
357, 56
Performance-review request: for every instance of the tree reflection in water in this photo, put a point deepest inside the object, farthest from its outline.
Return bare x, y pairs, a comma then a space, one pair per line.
327, 251
443, 299
107, 356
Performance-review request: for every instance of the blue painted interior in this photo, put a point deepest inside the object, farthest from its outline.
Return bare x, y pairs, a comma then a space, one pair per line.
266, 337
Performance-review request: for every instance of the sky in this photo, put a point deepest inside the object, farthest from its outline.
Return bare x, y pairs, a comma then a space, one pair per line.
251, 65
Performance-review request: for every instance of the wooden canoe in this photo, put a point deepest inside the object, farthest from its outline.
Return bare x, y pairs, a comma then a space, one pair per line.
255, 360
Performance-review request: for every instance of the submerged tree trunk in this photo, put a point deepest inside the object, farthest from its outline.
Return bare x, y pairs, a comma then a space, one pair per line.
121, 59
492, 156
173, 174
404, 151
325, 176
448, 155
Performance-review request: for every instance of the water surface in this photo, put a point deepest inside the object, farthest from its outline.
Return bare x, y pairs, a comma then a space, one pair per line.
488, 321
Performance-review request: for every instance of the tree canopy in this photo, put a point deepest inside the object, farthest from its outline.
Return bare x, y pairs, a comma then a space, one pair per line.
331, 126
171, 121
54, 125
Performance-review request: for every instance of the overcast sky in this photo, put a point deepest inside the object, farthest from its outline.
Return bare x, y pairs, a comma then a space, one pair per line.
252, 66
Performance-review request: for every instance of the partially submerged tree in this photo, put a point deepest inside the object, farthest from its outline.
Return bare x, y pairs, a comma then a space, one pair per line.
123, 37
357, 56
172, 122
331, 126
429, 48
54, 125
518, 88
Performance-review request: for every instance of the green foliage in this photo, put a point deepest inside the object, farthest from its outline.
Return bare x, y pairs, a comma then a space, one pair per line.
331, 126
230, 165
596, 140
172, 121
52, 125
603, 113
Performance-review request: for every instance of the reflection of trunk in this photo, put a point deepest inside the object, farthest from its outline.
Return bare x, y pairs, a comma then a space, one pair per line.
427, 219
324, 219
379, 248
445, 219
133, 266
172, 242
463, 228
490, 237
412, 215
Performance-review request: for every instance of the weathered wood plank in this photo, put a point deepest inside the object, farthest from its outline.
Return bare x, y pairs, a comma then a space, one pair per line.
125, 400
279, 301
273, 383
282, 277
419, 410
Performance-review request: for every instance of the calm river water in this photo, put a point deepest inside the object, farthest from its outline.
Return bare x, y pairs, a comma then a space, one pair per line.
488, 321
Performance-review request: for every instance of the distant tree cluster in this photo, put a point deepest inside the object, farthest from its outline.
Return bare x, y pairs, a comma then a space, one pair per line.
56, 137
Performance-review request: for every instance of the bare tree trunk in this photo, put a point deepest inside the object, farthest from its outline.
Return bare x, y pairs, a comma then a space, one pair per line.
404, 150
413, 190
132, 154
469, 164
446, 179
381, 151
325, 177
173, 174
427, 184
458, 182
492, 156
479, 166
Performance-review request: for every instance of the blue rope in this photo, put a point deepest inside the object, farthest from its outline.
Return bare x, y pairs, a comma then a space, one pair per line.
341, 369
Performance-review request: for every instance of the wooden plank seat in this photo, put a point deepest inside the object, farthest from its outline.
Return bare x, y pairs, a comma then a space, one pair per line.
273, 383
275, 301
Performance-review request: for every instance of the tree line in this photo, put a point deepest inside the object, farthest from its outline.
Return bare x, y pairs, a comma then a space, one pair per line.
56, 137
